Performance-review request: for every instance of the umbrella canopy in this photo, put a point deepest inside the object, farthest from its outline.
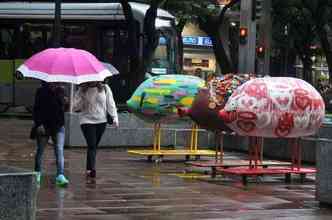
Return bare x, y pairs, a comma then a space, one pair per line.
65, 65
111, 68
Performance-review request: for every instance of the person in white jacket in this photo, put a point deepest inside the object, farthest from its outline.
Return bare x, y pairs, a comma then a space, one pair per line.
93, 101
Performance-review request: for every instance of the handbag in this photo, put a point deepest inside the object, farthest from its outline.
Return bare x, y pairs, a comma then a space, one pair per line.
108, 116
109, 119
37, 131
33, 133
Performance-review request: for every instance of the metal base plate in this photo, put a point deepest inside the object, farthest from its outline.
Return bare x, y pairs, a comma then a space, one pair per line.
173, 152
262, 171
236, 163
244, 173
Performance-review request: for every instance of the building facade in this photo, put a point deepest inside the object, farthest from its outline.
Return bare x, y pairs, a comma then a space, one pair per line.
198, 56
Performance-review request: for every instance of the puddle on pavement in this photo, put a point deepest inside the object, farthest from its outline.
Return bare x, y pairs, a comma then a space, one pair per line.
191, 175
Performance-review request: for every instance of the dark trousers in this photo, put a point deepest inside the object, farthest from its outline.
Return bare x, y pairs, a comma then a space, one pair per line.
92, 134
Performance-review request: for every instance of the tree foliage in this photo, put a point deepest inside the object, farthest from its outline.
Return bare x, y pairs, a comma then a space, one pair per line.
307, 22
210, 21
208, 15
298, 24
139, 64
210, 18
184, 11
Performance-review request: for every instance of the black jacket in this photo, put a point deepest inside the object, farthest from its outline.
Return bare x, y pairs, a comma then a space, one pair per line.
49, 109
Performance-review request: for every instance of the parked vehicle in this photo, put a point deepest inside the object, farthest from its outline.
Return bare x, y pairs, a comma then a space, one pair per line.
100, 28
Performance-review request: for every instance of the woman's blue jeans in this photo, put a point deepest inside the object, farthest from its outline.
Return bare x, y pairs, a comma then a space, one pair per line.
58, 141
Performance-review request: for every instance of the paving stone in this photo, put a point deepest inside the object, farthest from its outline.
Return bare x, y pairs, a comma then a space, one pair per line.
131, 188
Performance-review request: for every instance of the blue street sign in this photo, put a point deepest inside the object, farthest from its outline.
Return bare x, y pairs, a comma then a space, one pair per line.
190, 40
197, 41
207, 41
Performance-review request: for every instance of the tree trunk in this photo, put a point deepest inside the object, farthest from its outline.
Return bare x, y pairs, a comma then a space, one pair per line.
138, 64
180, 50
291, 62
220, 53
179, 30
234, 47
307, 70
151, 35
135, 62
211, 27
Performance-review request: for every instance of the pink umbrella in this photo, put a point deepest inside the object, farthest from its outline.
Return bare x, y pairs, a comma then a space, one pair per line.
65, 65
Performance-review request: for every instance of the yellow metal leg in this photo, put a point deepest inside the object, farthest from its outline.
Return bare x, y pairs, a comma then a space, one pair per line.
219, 146
192, 150
155, 137
196, 137
192, 137
159, 136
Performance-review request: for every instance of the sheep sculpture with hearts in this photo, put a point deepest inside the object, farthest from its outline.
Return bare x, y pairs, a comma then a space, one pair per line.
274, 107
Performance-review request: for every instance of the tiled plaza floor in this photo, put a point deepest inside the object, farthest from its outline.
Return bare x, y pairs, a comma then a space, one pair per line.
129, 187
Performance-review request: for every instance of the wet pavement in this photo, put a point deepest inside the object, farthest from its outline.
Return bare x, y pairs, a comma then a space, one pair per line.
129, 187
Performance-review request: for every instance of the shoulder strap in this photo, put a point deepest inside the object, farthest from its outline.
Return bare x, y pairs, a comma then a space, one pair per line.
106, 94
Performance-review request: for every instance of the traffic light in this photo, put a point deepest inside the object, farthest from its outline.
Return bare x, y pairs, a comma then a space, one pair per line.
243, 35
256, 10
260, 51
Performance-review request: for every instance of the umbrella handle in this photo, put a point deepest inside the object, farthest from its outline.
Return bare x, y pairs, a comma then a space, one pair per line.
71, 101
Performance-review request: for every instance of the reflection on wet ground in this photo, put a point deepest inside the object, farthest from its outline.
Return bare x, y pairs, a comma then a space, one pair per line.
132, 188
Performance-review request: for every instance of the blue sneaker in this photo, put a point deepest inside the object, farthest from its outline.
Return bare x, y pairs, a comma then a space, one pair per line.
61, 181
38, 177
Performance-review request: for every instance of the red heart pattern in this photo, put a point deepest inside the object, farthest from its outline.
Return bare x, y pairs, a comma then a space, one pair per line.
246, 126
285, 99
302, 102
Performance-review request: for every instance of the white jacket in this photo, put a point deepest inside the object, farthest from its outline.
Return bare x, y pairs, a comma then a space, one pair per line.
93, 105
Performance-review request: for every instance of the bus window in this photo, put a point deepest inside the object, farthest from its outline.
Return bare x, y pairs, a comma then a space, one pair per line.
80, 36
108, 46
33, 38
114, 50
6, 43
163, 60
6, 54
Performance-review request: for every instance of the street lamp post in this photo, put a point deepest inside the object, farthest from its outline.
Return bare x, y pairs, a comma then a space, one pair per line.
247, 50
57, 24
265, 34
57, 43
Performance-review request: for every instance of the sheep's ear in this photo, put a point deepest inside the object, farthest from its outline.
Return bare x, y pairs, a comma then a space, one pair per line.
182, 112
148, 75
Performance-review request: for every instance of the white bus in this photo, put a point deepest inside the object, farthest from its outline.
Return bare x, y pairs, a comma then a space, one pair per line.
27, 28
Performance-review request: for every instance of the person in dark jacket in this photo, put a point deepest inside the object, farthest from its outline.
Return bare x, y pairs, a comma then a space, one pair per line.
48, 117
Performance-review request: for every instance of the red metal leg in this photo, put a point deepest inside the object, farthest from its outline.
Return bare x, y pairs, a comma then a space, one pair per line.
250, 149
255, 148
296, 154
219, 147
